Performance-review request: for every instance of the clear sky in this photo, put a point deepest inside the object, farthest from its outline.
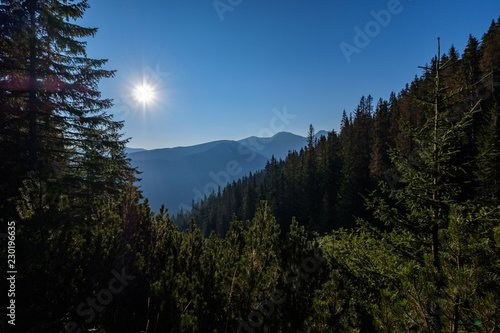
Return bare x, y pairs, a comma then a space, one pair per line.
229, 69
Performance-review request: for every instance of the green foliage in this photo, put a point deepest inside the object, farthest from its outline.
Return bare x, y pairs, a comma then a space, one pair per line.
423, 256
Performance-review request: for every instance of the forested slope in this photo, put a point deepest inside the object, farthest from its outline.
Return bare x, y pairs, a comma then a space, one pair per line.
324, 184
91, 255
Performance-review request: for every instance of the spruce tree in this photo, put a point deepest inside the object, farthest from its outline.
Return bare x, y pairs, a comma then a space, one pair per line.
65, 154
435, 266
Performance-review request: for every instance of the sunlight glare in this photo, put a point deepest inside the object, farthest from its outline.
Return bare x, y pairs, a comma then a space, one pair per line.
144, 94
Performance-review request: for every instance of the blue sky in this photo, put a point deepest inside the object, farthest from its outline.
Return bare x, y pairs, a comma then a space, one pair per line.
228, 69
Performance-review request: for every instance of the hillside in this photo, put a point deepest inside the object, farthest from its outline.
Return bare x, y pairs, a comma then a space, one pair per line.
174, 177
325, 185
391, 224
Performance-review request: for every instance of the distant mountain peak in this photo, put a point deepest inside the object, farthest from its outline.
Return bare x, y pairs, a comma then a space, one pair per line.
174, 176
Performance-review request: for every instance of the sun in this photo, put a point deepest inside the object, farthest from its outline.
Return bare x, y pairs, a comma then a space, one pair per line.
144, 93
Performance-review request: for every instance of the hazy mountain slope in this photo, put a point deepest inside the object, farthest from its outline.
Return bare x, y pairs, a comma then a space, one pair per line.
133, 150
176, 176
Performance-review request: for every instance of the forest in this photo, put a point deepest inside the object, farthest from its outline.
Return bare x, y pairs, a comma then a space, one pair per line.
390, 225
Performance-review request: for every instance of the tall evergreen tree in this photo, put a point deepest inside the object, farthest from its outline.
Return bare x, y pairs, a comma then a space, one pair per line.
379, 157
65, 154
429, 232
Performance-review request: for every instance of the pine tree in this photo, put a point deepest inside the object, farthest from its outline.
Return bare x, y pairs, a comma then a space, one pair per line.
69, 162
355, 142
310, 137
379, 157
311, 202
260, 269
490, 57
431, 234
469, 68
69, 135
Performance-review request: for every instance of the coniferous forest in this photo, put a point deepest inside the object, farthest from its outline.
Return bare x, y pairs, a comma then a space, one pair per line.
390, 225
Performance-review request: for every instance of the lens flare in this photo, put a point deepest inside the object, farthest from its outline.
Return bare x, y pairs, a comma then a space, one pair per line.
144, 94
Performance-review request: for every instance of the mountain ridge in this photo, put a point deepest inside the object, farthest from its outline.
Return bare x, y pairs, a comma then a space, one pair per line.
177, 176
